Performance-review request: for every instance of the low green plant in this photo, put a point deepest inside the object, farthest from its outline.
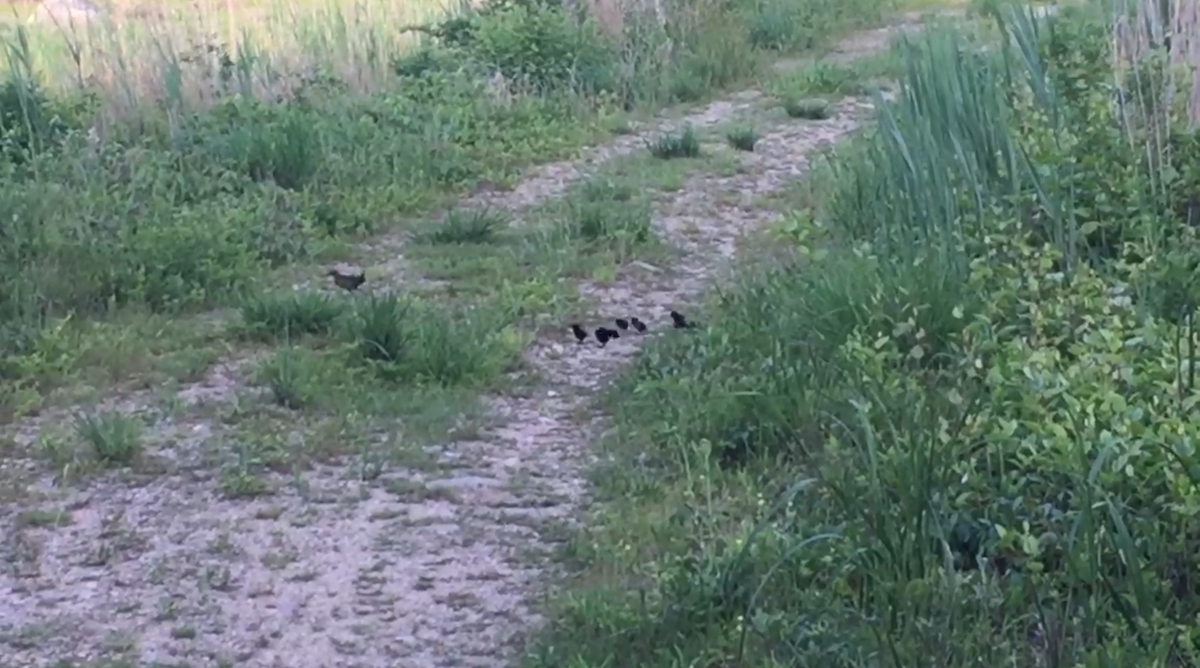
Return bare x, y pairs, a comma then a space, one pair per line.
285, 376
423, 343
835, 80
380, 329
276, 317
743, 139
608, 213
810, 109
276, 143
538, 44
111, 438
462, 226
779, 26
672, 146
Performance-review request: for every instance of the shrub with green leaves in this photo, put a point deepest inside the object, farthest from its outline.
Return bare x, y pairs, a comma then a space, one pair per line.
541, 45
31, 121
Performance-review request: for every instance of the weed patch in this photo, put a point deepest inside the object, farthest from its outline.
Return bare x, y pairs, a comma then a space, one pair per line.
672, 146
836, 80
421, 343
809, 109
282, 317
112, 439
461, 227
96, 441
743, 139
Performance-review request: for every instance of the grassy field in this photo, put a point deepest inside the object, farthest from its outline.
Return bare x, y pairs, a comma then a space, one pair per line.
958, 427
157, 187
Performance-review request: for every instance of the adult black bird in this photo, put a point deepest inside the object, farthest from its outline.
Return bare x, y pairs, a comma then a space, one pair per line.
579, 332
347, 277
622, 324
638, 325
604, 335
680, 321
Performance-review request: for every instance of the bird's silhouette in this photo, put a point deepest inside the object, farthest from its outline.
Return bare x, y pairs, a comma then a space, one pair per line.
638, 325
347, 277
579, 332
604, 335
680, 321
622, 324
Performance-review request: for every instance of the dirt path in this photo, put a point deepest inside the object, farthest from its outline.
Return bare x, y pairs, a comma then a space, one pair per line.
423, 568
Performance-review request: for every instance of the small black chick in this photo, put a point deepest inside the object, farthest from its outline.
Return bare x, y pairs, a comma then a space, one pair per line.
347, 277
680, 321
579, 332
622, 324
637, 324
604, 335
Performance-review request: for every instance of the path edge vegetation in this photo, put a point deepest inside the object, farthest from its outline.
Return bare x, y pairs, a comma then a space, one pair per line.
958, 426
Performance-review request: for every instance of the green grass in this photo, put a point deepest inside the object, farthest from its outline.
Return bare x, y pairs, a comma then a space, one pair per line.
676, 145
461, 228
281, 317
955, 427
743, 139
809, 109
825, 78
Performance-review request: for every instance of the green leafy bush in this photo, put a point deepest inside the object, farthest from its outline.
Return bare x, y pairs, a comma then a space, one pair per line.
536, 44
31, 122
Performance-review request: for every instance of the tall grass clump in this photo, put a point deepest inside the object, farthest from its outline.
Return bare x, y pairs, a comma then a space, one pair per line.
292, 316
416, 342
901, 177
958, 427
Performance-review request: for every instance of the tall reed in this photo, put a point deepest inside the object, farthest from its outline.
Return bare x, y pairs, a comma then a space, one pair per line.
147, 54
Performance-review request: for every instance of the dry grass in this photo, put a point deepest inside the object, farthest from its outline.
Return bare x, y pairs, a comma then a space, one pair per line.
1140, 27
141, 52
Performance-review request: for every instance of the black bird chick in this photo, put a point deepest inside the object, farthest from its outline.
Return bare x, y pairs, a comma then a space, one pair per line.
680, 321
347, 277
638, 325
579, 332
604, 335
622, 324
